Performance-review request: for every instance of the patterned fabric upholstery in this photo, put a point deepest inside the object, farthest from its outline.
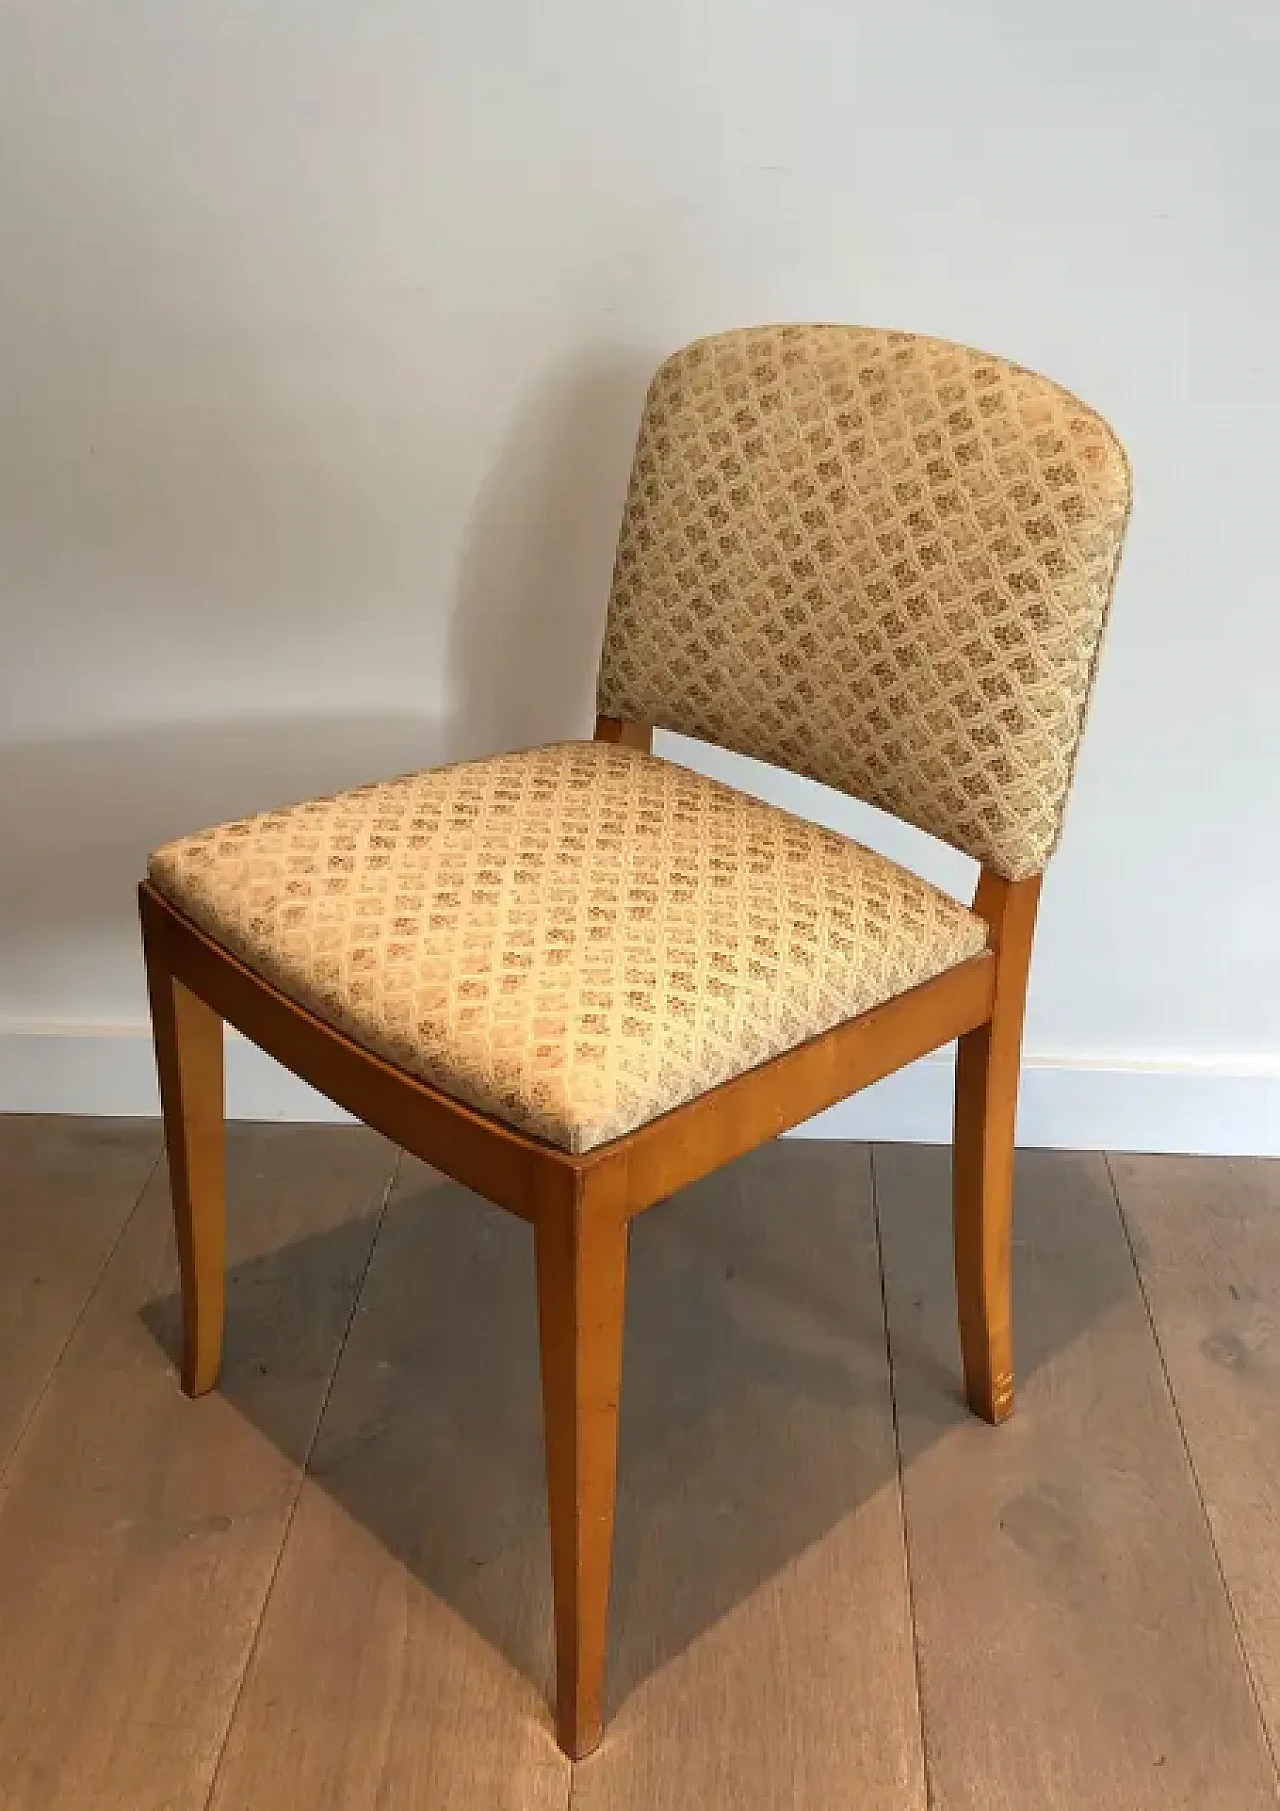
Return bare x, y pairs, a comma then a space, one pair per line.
573, 939
879, 560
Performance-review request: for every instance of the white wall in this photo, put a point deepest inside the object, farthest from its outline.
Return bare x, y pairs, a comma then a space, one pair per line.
323, 334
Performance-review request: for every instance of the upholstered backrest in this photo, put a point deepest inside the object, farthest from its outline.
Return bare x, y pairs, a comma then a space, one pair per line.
878, 560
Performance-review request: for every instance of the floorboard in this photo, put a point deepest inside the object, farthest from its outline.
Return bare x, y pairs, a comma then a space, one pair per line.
404, 1658
187, 1621
1206, 1235
140, 1531
761, 1628
67, 1187
1076, 1648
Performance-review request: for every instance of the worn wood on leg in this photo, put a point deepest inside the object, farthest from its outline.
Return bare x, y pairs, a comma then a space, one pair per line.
189, 1059
581, 1245
987, 1067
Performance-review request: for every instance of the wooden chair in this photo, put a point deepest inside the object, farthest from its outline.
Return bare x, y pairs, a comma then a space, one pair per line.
578, 978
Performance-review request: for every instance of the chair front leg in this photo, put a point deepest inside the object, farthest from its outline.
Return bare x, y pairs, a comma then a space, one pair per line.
189, 1059
987, 1071
581, 1246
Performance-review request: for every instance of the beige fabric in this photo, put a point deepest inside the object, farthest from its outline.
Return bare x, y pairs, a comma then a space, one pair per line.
879, 560
573, 939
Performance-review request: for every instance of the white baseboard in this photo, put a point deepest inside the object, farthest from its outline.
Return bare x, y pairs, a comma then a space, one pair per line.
1228, 1109
1074, 1105
109, 1072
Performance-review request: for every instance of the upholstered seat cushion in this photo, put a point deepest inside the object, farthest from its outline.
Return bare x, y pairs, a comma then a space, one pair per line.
573, 939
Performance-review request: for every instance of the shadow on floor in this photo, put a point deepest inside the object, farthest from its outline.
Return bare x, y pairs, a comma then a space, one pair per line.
756, 1412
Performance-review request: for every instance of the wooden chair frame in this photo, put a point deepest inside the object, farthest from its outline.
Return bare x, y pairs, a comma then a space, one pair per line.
580, 1206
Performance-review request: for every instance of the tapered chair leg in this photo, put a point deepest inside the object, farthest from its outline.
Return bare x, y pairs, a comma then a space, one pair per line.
987, 1070
582, 1264
188, 1041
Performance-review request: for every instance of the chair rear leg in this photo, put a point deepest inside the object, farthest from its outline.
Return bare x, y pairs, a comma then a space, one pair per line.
982, 1190
987, 1072
581, 1248
189, 1058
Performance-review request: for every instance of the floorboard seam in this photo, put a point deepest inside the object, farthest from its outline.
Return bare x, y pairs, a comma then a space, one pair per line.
1241, 1646
902, 1495
28, 1419
303, 1468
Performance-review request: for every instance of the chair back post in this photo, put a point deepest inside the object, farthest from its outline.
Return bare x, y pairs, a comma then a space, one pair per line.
626, 735
1008, 909
988, 1069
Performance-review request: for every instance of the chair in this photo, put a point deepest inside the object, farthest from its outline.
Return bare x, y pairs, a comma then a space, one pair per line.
579, 977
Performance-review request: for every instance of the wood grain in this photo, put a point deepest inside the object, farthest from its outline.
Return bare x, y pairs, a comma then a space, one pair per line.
483, 1153
761, 1647
523, 1174
69, 1185
580, 1252
628, 735
988, 1070
1075, 1645
140, 1530
193, 979
1206, 1234
682, 1146
405, 1657
189, 1060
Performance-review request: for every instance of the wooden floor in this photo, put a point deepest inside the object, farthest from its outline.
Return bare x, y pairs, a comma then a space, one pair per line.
326, 1586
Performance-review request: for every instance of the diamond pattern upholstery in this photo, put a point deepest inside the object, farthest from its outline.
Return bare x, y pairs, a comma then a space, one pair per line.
879, 560
573, 939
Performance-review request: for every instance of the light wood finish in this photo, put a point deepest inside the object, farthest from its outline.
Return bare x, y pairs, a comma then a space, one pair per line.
987, 1072
189, 1060
67, 1187
581, 1250
499, 1163
580, 1205
140, 1532
1206, 1235
1075, 1644
405, 1655
521, 1173
762, 1657
628, 735
681, 1147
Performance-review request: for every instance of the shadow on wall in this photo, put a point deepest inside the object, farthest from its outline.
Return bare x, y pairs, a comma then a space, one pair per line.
78, 816
538, 555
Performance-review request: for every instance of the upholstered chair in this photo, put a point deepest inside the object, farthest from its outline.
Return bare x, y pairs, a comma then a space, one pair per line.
576, 978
